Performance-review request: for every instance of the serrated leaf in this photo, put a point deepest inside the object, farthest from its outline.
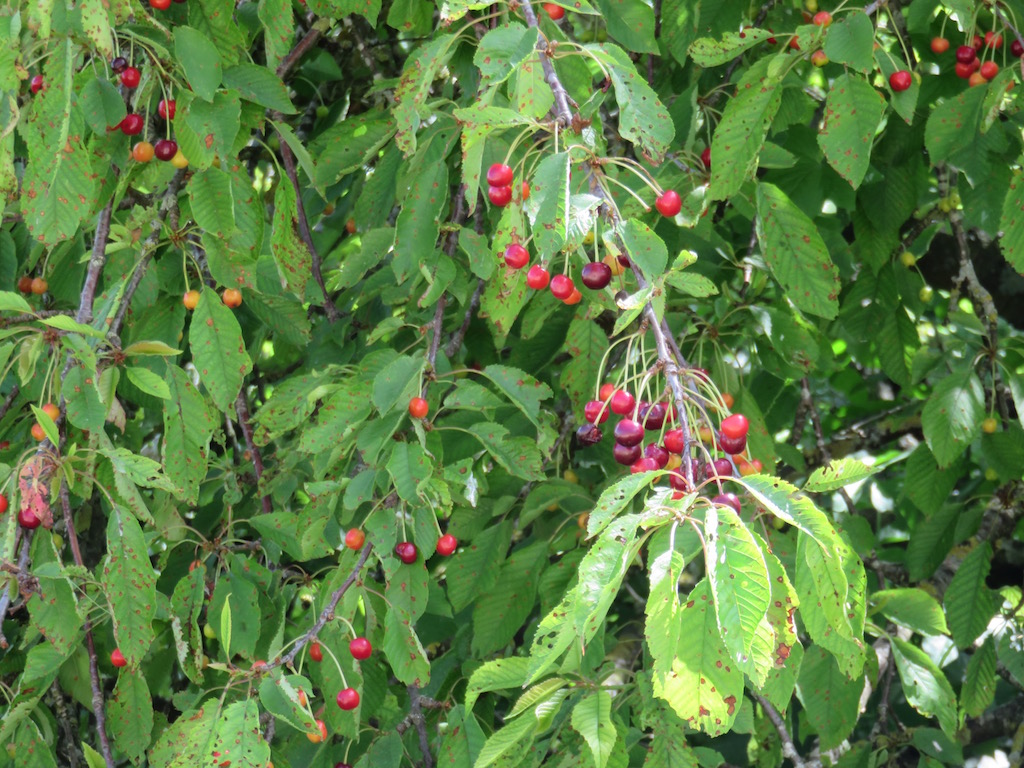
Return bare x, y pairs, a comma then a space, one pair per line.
952, 417
218, 350
524, 391
200, 60
738, 576
496, 675
101, 104
517, 455
1011, 224
129, 584
408, 467
396, 381
853, 111
837, 474
692, 284
925, 686
600, 575
931, 541
737, 141
499, 614
979, 689
213, 202
785, 501
968, 601
347, 146
796, 254
259, 85
507, 739
831, 701
644, 248
148, 382
188, 427
279, 695
501, 51
850, 40
84, 408
709, 52
954, 124
592, 719
130, 714
912, 608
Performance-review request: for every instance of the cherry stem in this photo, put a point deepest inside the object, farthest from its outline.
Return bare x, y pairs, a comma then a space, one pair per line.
323, 646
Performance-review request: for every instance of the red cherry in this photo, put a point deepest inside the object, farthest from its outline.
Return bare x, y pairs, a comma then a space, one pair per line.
131, 77
728, 499
940, 45
538, 277
629, 433
165, 149
622, 402
3, 503
606, 392
823, 18
992, 40
989, 70
132, 124
718, 468
446, 545
678, 481
653, 417
500, 196
354, 538
643, 465
596, 275
562, 287
348, 698
977, 43
316, 653
656, 452
965, 54
735, 426
556, 12
675, 441
900, 80
160, 5
732, 445
117, 658
668, 203
516, 256
360, 648
406, 552
705, 157
418, 408
27, 519
626, 455
36, 83
166, 108
499, 175
964, 71
595, 412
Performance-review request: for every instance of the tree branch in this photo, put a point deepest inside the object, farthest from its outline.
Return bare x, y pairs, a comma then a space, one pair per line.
416, 714
244, 421
96, 262
563, 112
308, 41
788, 747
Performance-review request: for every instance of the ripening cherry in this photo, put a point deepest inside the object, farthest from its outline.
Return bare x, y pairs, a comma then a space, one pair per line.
348, 698
51, 410
900, 81
965, 54
166, 108
976, 78
819, 58
28, 519
117, 658
516, 256
595, 412
447, 545
525, 191
354, 538
320, 734
130, 77
988, 426
179, 160
316, 653
36, 84
39, 286
573, 298
499, 175
735, 426
940, 45
668, 203
705, 158
556, 12
989, 70
25, 284
605, 393
38, 434
499, 196
360, 648
822, 18
143, 152
418, 408
538, 277
562, 287
232, 297
406, 552
622, 402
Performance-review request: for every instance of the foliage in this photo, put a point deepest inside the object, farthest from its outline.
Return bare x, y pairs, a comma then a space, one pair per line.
210, 497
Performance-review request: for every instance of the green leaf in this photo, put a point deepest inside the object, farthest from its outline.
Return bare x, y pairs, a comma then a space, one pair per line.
84, 407
130, 586
213, 202
101, 104
952, 417
517, 455
979, 689
496, 675
831, 701
200, 60
692, 284
968, 601
699, 680
188, 427
740, 135
500, 613
130, 714
408, 467
600, 575
413, 88
1011, 223
592, 719
954, 124
511, 737
279, 695
912, 608
54, 610
795, 253
850, 40
205, 130
148, 382
837, 474
260, 85
630, 22
925, 686
548, 205
501, 51
644, 248
397, 381
12, 302
524, 391
738, 576
931, 541
708, 52
853, 111
218, 350
96, 25
643, 119
347, 146
785, 501
422, 206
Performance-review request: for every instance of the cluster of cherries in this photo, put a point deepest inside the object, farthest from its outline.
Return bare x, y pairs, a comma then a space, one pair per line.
642, 418
232, 297
595, 275
968, 66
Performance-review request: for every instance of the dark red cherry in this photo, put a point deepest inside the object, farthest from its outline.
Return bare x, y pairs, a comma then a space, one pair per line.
732, 445
589, 434
643, 465
656, 452
596, 275
629, 432
718, 468
653, 417
729, 500
626, 454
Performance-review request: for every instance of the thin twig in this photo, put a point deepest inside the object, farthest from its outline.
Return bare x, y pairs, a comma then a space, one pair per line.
288, 160
308, 41
562, 110
94, 672
29, 317
96, 262
416, 713
455, 343
9, 400
327, 613
7, 596
788, 747
244, 421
